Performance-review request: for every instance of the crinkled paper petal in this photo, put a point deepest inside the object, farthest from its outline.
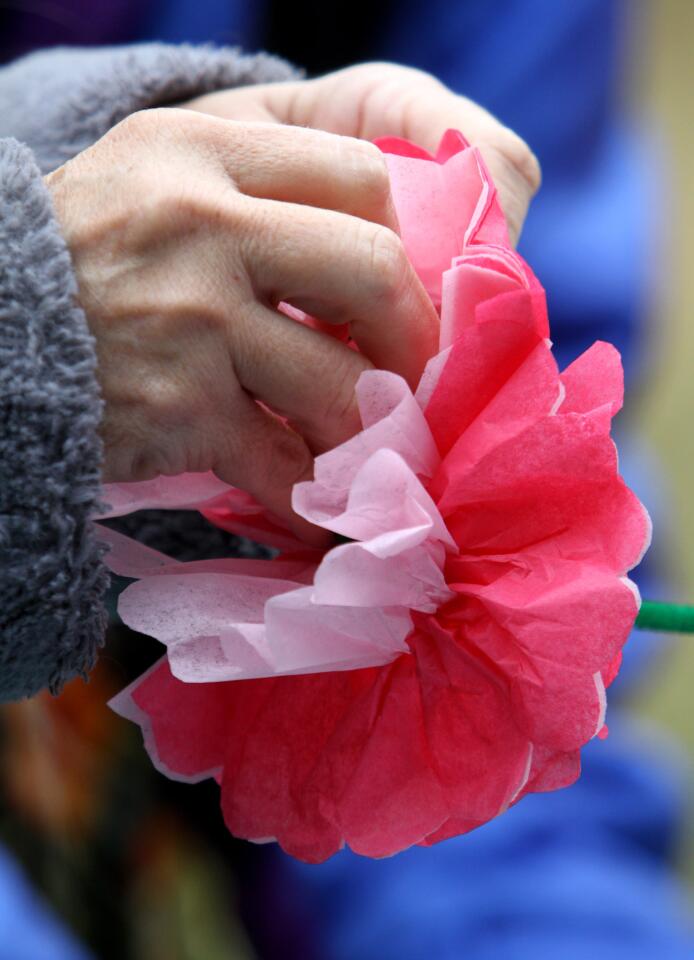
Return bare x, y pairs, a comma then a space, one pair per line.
187, 491
185, 726
416, 682
484, 357
354, 574
441, 207
385, 500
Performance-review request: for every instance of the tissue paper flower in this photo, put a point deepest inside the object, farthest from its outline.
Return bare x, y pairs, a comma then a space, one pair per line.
414, 682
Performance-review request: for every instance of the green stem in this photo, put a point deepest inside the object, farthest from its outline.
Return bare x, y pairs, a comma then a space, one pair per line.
671, 617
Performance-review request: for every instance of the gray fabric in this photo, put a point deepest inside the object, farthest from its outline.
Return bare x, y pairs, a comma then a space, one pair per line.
52, 580
62, 101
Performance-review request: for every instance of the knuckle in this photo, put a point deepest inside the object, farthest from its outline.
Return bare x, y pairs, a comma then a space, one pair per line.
257, 229
194, 207
341, 406
289, 459
160, 459
147, 464
168, 405
143, 124
387, 265
134, 122
371, 173
167, 209
134, 453
185, 205
380, 70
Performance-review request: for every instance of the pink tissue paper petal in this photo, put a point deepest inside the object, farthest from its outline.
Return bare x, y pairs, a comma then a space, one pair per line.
187, 491
416, 682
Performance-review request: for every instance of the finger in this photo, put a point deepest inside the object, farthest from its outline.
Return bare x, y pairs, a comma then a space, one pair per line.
260, 454
299, 165
238, 104
344, 270
432, 108
404, 102
155, 433
513, 167
301, 374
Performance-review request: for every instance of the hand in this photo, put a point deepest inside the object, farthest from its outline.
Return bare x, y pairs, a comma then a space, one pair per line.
381, 99
186, 231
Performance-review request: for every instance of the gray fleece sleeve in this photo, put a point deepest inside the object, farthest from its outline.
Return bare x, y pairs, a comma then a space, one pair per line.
52, 580
61, 101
